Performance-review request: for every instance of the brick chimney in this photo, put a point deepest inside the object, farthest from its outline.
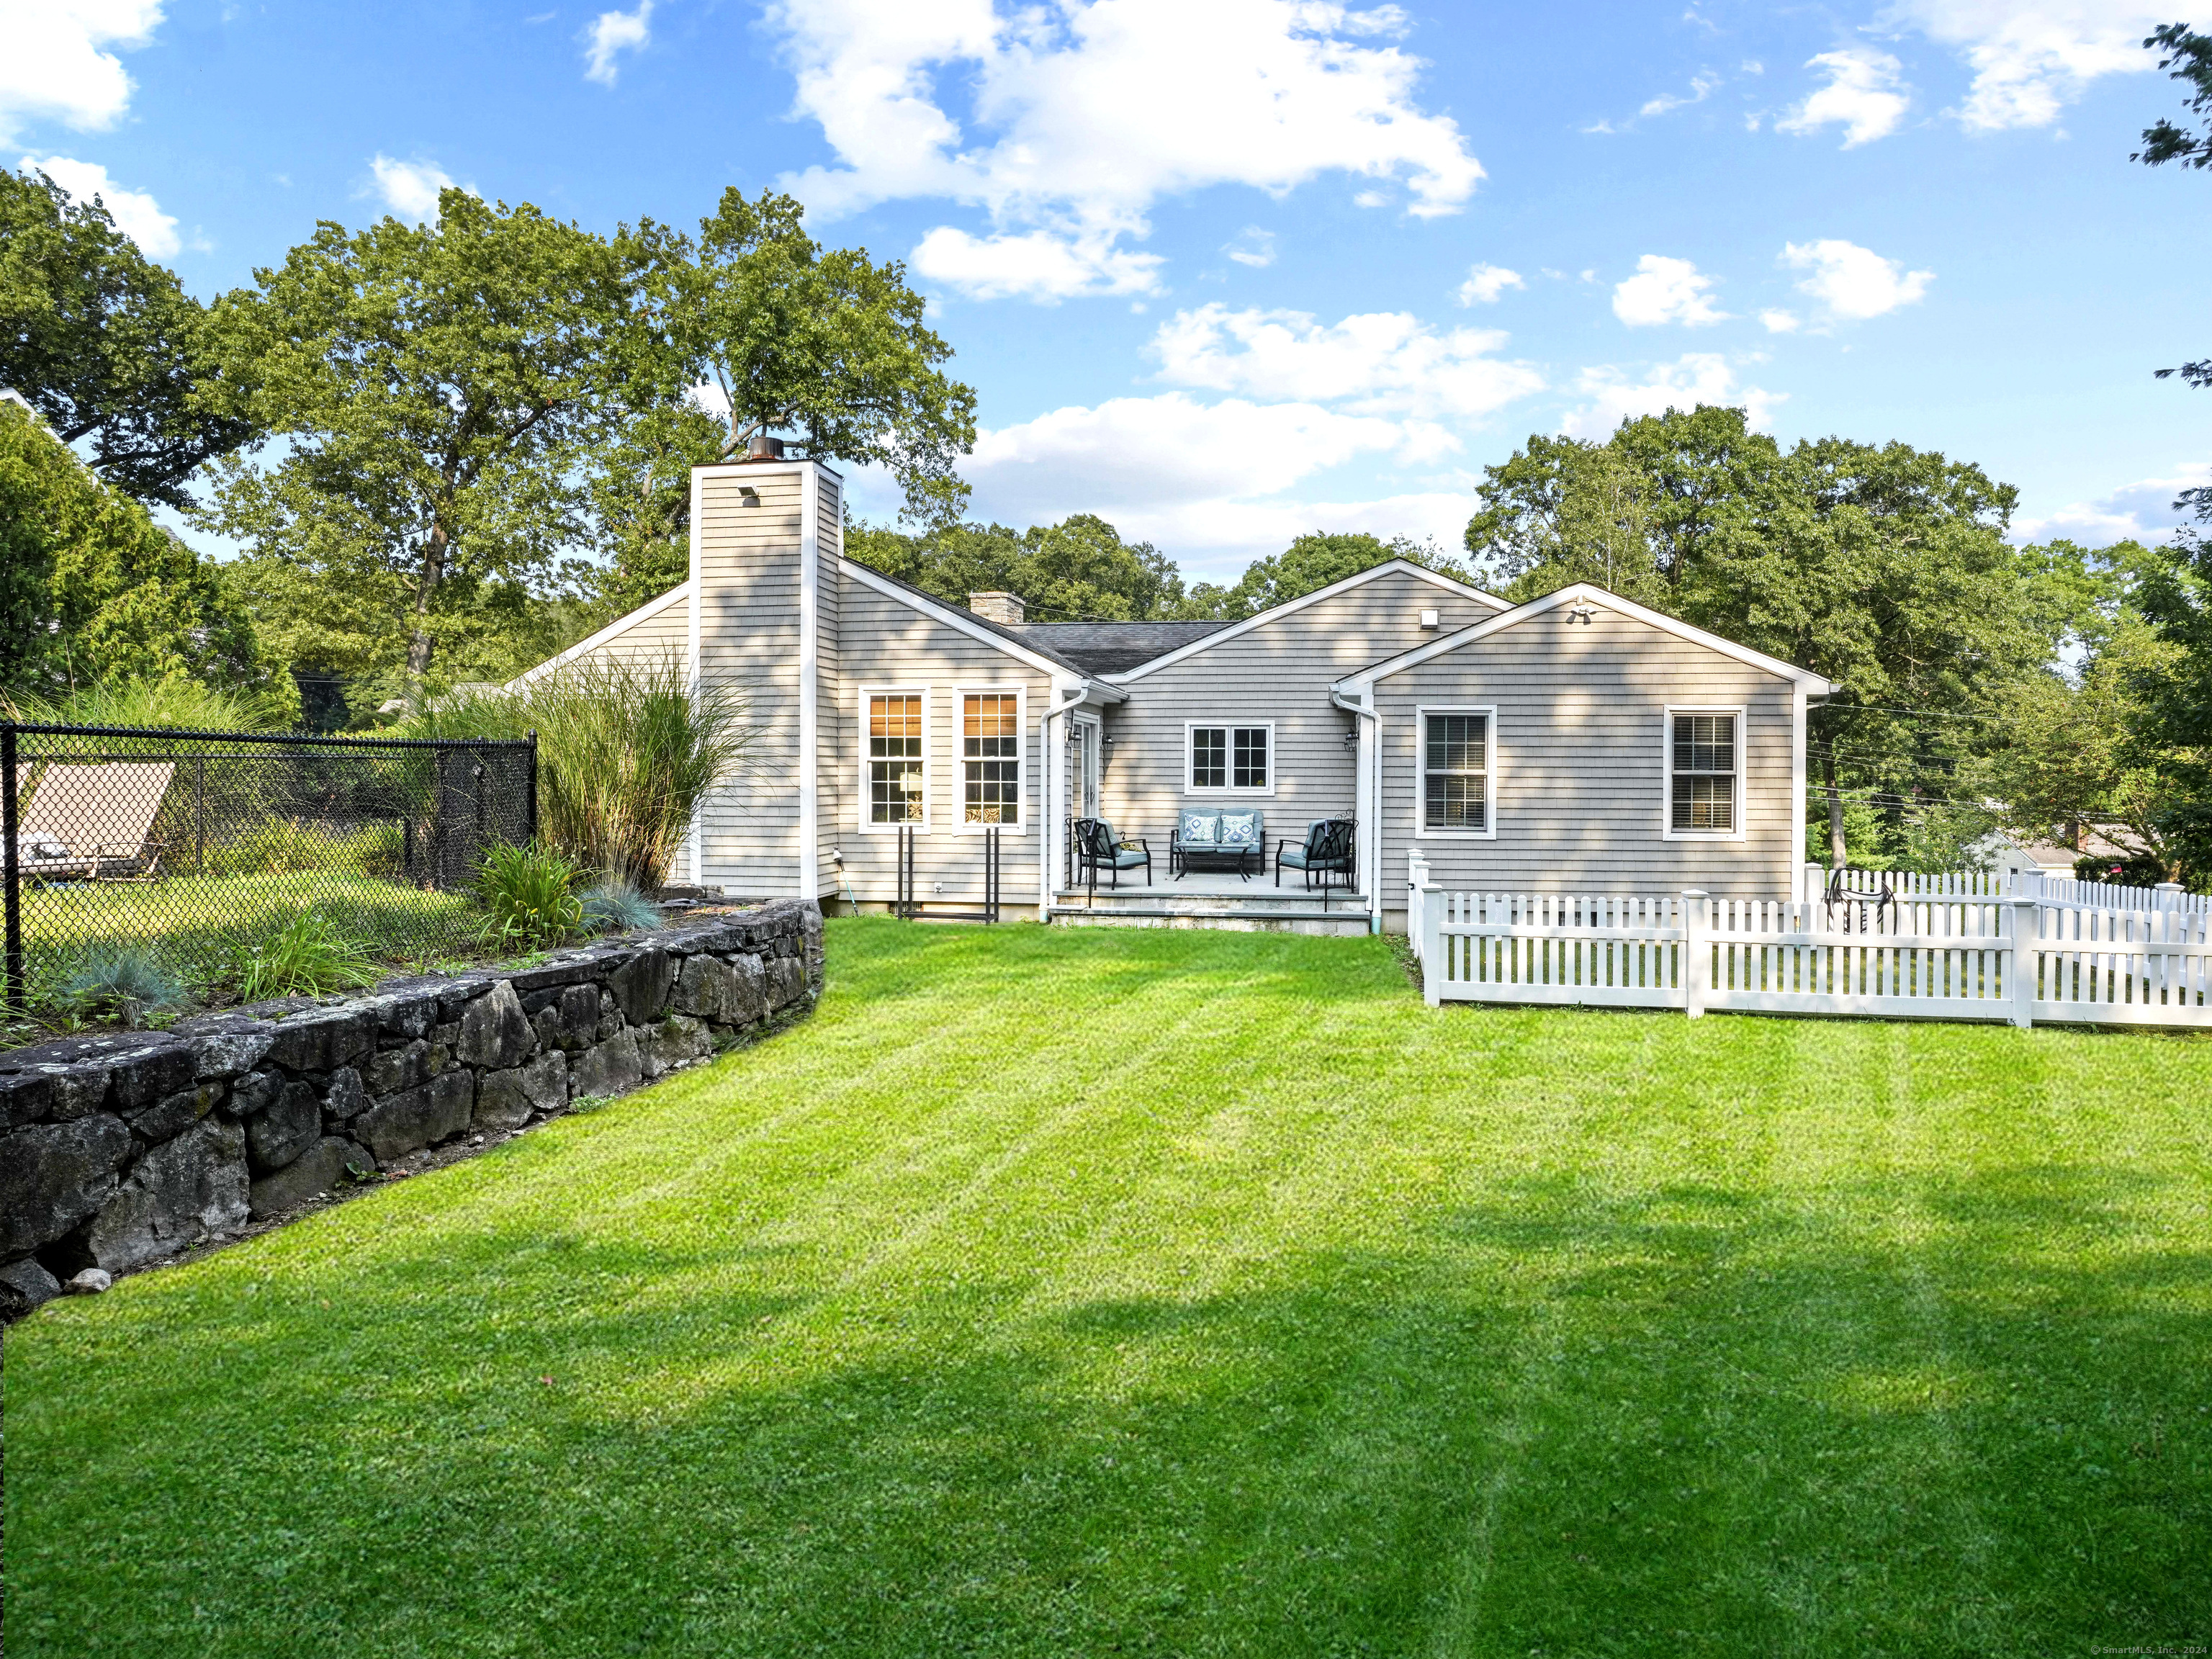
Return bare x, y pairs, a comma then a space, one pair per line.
997, 607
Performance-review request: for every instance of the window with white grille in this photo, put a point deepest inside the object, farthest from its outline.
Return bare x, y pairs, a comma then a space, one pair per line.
1230, 759
991, 756
893, 726
1455, 766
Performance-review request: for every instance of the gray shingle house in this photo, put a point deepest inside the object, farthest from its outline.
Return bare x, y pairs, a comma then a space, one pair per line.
1577, 744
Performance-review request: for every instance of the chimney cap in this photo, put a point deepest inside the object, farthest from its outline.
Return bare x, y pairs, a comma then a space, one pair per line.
997, 607
761, 447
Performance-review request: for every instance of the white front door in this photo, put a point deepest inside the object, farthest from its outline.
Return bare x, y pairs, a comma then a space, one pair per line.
1085, 766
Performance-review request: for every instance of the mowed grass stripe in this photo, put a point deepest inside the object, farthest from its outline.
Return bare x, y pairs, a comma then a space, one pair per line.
1057, 1292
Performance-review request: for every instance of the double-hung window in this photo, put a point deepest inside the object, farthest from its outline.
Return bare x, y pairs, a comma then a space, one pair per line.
1455, 771
895, 780
1230, 759
991, 756
1704, 772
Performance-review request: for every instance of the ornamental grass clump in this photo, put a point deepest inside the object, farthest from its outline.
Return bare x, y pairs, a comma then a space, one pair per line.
127, 985
174, 704
627, 749
528, 892
306, 956
615, 906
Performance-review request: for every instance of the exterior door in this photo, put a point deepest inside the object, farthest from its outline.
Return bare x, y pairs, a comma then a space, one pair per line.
1084, 765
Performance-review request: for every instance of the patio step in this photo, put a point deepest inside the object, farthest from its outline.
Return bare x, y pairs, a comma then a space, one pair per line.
1260, 909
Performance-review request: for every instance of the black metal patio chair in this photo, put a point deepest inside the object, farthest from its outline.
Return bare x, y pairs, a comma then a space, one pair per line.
1326, 856
1097, 848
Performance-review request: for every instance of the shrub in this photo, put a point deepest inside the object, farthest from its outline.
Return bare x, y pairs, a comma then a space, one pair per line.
306, 957
529, 892
185, 704
626, 752
126, 984
280, 846
615, 906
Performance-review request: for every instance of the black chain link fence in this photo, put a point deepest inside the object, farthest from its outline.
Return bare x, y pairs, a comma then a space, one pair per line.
198, 845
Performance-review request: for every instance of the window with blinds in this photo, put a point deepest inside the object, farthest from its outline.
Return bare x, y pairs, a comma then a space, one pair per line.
894, 758
990, 756
1455, 771
1704, 774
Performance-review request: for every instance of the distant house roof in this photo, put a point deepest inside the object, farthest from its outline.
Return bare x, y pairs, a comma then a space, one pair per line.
1110, 647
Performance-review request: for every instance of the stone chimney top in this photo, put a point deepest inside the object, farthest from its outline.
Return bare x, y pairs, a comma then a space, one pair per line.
997, 607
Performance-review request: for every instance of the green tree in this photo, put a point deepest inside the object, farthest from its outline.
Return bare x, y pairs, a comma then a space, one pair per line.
2174, 732
821, 343
639, 493
440, 390
1077, 570
2188, 59
105, 344
112, 595
1312, 562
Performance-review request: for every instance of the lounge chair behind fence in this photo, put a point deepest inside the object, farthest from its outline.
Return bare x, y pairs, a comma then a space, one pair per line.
93, 820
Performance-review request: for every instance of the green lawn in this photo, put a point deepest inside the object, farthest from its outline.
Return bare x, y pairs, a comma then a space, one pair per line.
1106, 1293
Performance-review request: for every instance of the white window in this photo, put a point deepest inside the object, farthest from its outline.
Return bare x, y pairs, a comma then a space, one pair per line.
894, 757
1705, 774
1229, 760
1459, 769
991, 757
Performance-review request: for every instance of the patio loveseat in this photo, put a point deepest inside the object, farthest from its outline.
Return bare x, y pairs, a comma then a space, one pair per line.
1214, 835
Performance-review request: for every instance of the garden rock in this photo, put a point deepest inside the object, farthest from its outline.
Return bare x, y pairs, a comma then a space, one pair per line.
187, 1190
224, 1045
408, 1008
53, 1175
787, 982
252, 1092
24, 1286
25, 1097
572, 1020
706, 988
313, 1173
142, 1076
505, 1100
640, 985
345, 1098
610, 1017
283, 1129
398, 1070
495, 1031
421, 1117
676, 1040
324, 1039
90, 1281
607, 1069
167, 1119
79, 1089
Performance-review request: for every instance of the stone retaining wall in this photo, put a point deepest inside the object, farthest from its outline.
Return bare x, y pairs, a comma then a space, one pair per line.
122, 1149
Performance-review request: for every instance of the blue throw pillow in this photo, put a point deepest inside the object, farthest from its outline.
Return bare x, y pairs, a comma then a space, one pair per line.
1198, 829
1240, 828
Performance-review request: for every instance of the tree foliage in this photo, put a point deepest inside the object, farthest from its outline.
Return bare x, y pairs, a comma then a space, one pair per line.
821, 343
105, 345
1077, 570
439, 389
2188, 59
639, 491
96, 592
1312, 562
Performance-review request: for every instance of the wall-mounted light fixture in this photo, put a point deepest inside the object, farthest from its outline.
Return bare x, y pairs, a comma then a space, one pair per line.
1581, 613
1105, 753
749, 495
1351, 735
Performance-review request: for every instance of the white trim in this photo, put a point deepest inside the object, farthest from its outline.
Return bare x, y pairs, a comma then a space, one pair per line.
1666, 830
809, 688
1021, 695
613, 630
1806, 681
1404, 567
1227, 757
1797, 781
691, 582
862, 824
936, 611
1094, 756
1490, 771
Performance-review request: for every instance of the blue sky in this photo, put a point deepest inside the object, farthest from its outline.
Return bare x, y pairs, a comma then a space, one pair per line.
1226, 269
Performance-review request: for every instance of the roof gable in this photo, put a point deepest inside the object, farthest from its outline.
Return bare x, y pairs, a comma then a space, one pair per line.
1589, 593
1291, 607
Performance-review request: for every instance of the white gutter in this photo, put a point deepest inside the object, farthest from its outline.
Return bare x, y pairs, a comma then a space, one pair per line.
1055, 764
1368, 766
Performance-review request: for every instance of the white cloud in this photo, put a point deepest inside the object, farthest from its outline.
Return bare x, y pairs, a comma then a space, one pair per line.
1035, 265
52, 67
1484, 283
1852, 281
1864, 95
137, 214
2032, 58
1665, 290
612, 32
1702, 86
1779, 321
1063, 125
1698, 377
410, 189
1376, 363
1253, 247
2141, 511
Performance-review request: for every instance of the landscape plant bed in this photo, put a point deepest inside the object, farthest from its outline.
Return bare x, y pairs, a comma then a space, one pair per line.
1086, 1292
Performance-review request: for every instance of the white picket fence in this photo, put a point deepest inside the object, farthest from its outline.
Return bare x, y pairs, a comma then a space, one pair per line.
2022, 883
1934, 955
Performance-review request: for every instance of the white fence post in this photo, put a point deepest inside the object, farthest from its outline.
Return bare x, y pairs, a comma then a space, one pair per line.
1697, 952
1430, 898
2020, 964
1816, 884
2169, 895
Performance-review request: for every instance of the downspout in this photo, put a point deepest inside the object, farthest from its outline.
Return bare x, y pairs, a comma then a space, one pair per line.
1054, 765
1367, 800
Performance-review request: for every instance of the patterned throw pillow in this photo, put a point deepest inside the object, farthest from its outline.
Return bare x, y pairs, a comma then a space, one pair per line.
1239, 829
1198, 829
